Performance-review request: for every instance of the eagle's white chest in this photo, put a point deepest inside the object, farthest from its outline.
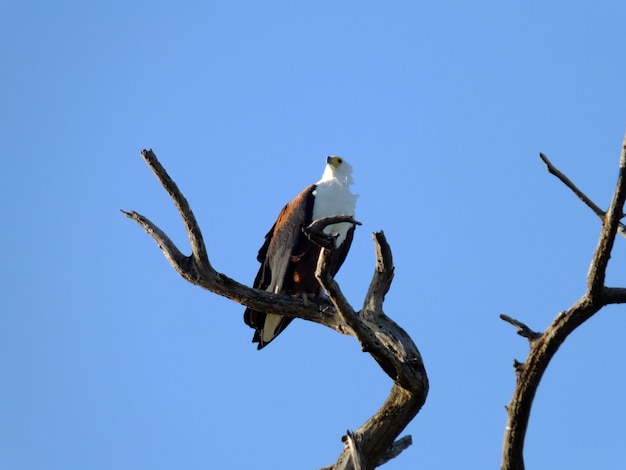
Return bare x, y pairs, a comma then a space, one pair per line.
332, 198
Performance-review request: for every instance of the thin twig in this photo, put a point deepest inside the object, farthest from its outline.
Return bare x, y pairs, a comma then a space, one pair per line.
567, 182
581, 195
522, 329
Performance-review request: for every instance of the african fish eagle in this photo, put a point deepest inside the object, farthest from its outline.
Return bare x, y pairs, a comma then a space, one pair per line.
289, 259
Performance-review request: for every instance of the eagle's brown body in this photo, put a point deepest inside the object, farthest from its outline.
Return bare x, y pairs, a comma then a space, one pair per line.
289, 259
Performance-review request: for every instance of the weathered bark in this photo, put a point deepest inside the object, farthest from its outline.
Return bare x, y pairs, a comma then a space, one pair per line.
374, 443
544, 345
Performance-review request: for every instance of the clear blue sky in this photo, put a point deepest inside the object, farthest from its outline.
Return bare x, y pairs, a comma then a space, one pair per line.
109, 360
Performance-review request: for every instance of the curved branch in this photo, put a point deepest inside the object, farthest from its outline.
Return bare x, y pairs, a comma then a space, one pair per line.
198, 248
544, 346
393, 350
220, 284
176, 258
373, 443
315, 231
386, 341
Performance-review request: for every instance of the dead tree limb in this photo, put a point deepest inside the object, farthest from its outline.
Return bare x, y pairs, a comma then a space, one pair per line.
374, 443
544, 345
581, 195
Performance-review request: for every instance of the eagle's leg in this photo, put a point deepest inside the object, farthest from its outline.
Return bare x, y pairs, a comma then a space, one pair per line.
307, 297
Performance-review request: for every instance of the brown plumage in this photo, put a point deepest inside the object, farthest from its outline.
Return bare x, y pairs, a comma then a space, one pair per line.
289, 259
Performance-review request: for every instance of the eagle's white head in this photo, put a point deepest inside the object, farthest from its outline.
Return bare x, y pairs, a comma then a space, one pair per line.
337, 169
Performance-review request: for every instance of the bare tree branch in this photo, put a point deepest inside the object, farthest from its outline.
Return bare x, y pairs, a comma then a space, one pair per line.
522, 329
172, 253
391, 347
567, 182
221, 284
614, 295
373, 443
315, 231
191, 224
610, 224
581, 195
543, 347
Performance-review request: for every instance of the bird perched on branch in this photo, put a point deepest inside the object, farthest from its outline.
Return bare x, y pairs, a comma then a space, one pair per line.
289, 259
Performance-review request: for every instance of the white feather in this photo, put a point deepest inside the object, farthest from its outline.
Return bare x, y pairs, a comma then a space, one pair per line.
333, 197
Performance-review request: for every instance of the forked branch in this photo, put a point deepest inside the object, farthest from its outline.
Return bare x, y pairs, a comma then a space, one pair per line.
544, 345
374, 443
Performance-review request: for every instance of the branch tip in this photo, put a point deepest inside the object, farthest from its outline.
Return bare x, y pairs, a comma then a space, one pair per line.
522, 328
567, 182
315, 230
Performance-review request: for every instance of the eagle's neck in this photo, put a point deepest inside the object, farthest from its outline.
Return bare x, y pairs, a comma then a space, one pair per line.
333, 198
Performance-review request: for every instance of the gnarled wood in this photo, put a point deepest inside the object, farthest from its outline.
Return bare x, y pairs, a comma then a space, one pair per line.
374, 443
